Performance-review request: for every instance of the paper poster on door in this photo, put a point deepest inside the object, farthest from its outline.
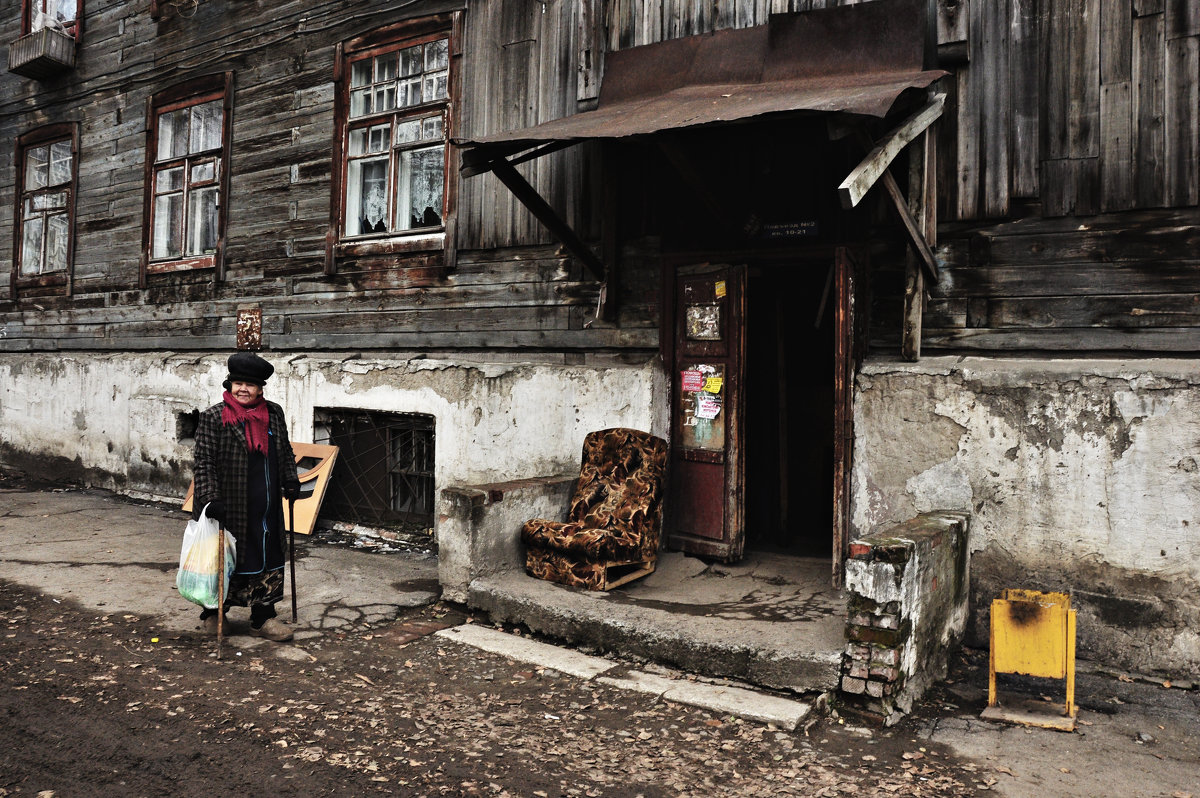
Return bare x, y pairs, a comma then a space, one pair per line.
691, 380
701, 422
708, 407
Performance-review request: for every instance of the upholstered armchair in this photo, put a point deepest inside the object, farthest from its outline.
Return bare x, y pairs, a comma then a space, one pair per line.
612, 528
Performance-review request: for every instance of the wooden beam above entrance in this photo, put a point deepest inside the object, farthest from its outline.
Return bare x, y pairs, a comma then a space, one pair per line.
875, 165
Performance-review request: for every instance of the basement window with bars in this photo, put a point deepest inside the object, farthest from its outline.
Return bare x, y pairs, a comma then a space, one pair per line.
384, 471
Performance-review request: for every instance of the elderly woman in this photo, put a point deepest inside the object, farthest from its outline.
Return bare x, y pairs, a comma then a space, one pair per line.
244, 468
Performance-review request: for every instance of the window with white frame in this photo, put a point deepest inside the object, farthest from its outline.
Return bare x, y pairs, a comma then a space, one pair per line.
186, 178
44, 212
398, 98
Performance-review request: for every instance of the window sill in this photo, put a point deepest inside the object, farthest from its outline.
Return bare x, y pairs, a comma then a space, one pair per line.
426, 242
42, 280
182, 265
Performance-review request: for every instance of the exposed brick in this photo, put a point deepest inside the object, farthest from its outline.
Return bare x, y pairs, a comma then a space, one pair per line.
883, 637
875, 689
851, 685
892, 607
859, 671
861, 619
860, 551
883, 671
887, 622
885, 656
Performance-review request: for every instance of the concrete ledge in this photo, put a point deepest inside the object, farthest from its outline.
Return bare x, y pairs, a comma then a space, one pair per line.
479, 526
723, 699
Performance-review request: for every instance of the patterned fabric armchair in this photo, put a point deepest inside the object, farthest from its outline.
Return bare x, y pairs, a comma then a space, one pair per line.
612, 528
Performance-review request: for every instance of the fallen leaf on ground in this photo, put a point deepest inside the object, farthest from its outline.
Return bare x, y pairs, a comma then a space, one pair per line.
1002, 769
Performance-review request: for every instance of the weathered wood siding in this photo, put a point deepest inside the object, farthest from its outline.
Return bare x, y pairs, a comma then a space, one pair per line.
511, 287
1082, 111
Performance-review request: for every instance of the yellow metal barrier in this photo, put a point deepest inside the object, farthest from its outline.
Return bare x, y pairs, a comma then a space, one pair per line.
1033, 634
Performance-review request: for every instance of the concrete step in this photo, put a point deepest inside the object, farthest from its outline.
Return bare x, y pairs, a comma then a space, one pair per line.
724, 699
735, 622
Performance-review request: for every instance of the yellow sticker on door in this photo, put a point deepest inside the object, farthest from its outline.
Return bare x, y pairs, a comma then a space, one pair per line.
720, 287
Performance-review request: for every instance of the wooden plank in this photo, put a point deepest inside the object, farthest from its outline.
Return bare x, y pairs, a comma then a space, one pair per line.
1070, 280
1024, 92
869, 170
1116, 147
1109, 312
967, 173
1182, 120
992, 62
1149, 108
1056, 98
1177, 340
1083, 57
1116, 43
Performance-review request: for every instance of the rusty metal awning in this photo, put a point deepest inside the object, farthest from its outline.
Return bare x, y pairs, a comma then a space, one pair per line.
854, 59
857, 59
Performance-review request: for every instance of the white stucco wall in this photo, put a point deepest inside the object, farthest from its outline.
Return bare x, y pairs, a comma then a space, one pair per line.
111, 419
1078, 475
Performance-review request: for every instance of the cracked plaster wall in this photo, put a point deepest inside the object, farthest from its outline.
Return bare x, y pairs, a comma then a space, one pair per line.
111, 419
1079, 476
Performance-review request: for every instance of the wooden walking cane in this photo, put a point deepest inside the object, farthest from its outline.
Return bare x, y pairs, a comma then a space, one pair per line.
220, 587
292, 550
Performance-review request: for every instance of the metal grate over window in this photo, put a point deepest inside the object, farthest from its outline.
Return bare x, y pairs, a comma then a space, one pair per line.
384, 471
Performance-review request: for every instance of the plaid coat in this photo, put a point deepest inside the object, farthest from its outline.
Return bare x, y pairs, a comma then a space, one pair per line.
221, 468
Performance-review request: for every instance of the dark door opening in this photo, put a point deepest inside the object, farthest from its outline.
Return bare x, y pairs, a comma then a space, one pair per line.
789, 420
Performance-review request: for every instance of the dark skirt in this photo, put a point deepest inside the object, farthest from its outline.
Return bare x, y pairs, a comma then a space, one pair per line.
258, 578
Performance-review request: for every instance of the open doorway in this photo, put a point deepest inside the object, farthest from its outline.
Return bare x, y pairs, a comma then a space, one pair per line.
790, 398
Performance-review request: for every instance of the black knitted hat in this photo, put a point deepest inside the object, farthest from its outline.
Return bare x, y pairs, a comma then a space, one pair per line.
248, 367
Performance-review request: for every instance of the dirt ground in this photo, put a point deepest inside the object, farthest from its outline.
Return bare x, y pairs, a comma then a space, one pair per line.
103, 705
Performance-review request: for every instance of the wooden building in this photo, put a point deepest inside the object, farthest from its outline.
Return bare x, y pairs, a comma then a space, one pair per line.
923, 255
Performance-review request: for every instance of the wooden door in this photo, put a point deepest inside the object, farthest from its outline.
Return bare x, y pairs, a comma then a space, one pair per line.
707, 513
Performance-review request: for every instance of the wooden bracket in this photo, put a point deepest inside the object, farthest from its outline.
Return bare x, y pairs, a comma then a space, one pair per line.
504, 169
875, 165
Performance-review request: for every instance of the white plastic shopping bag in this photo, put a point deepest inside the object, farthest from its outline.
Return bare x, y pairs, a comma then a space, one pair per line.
197, 578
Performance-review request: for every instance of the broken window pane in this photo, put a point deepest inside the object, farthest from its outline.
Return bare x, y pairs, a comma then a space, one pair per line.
420, 186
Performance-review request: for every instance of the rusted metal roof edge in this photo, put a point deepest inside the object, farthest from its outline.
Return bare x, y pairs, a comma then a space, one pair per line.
867, 94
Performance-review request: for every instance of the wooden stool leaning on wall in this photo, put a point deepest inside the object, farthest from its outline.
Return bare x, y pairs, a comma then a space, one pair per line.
613, 524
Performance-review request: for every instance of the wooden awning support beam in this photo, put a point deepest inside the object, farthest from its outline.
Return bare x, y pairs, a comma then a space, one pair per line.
875, 165
506, 172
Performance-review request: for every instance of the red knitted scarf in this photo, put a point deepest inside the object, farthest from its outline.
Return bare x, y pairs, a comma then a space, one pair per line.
253, 418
